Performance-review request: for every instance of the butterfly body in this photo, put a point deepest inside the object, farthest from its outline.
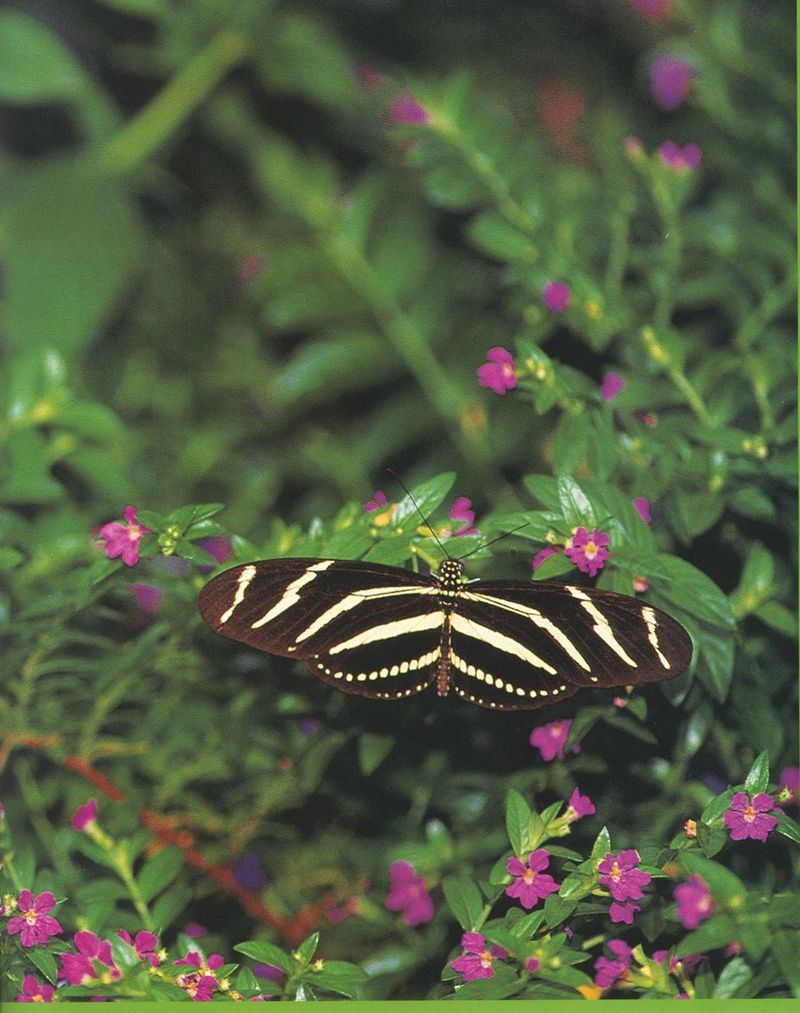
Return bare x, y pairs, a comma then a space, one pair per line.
387, 633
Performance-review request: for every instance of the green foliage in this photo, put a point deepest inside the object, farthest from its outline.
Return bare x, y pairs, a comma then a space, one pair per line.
235, 293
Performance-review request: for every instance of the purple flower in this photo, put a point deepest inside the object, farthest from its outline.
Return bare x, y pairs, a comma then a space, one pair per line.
623, 911
144, 944
35, 925
750, 819
380, 501
147, 596
92, 962
609, 972
406, 109
671, 80
269, 972
556, 296
676, 157
643, 507
651, 8
531, 883
550, 739
462, 511
194, 930
477, 959
123, 539
308, 726
613, 384
579, 806
84, 815
34, 991
249, 871
499, 372
588, 552
408, 893
544, 554
200, 987
620, 875
532, 964
218, 546
195, 959
694, 902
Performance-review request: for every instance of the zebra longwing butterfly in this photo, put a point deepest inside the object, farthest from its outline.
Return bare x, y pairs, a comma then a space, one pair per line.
387, 633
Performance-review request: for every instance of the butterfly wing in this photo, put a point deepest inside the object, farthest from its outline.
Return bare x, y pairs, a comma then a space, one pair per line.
515, 645
367, 629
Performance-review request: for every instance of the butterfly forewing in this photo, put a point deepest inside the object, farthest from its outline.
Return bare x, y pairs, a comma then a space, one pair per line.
367, 629
385, 632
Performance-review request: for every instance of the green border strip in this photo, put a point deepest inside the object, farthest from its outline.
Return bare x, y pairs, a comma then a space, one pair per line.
499, 1006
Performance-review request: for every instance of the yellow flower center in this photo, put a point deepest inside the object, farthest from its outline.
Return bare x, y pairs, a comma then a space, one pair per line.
486, 958
616, 872
749, 814
591, 549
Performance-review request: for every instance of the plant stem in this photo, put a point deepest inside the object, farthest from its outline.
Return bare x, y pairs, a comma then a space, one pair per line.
173, 105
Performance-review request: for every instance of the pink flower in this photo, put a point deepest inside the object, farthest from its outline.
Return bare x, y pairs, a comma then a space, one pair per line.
194, 930
35, 925
218, 547
551, 739
544, 554
613, 384
694, 902
531, 883
671, 80
408, 893
499, 372
123, 539
532, 964
200, 987
750, 819
462, 511
378, 503
92, 962
588, 552
556, 296
406, 109
651, 8
579, 806
676, 157
34, 991
620, 875
609, 972
789, 785
269, 972
643, 507
623, 911
144, 944
206, 966
84, 815
477, 959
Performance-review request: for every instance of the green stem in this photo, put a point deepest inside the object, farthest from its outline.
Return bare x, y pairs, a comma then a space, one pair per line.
125, 872
618, 248
770, 306
177, 100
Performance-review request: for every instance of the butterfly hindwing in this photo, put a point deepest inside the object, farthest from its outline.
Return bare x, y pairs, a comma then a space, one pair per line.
545, 641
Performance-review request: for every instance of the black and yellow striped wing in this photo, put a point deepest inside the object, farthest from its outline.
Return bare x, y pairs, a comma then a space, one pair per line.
365, 628
387, 633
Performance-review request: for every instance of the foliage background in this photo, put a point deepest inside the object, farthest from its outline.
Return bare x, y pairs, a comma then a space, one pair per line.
228, 278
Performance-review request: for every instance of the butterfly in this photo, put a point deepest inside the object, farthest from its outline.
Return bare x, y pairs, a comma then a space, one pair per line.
387, 633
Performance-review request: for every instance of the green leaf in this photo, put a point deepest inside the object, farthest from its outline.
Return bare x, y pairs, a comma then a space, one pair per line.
494, 235
732, 977
778, 618
45, 961
264, 953
601, 846
788, 827
785, 947
725, 887
557, 909
504, 983
711, 841
338, 976
67, 231
554, 566
575, 505
544, 489
718, 931
159, 872
306, 950
9, 558
570, 441
372, 751
170, 904
393, 551
464, 899
753, 503
717, 806
518, 821
694, 593
428, 497
757, 779
37, 66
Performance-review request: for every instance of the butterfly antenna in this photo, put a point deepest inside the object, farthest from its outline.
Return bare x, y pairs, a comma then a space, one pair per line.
428, 525
498, 539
